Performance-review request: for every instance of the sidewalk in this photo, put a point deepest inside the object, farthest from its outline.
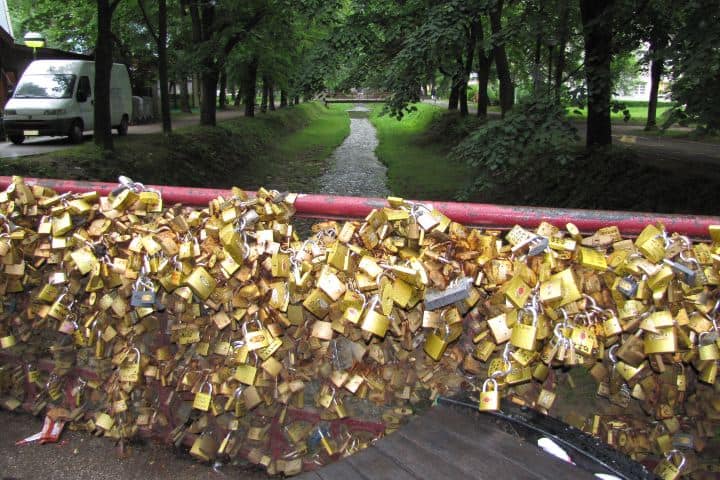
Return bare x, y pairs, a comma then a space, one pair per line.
40, 145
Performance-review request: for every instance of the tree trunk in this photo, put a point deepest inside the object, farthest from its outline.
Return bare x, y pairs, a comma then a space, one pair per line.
208, 102
103, 67
467, 68
297, 100
264, 100
163, 67
238, 96
484, 63
597, 29
537, 63
249, 86
203, 19
196, 91
283, 98
563, 36
454, 97
223, 89
271, 96
507, 89
184, 95
656, 70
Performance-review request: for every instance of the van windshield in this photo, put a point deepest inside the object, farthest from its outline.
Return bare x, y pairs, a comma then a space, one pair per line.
52, 85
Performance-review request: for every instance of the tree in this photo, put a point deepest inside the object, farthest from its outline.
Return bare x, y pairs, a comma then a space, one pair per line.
597, 17
103, 69
696, 65
507, 89
161, 41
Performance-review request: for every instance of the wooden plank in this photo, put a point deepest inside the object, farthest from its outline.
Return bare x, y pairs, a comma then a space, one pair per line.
373, 464
340, 469
466, 439
422, 462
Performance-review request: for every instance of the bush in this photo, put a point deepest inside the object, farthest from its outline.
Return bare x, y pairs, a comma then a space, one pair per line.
533, 140
449, 128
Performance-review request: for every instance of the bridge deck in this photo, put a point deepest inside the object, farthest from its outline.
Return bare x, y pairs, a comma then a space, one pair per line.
355, 100
448, 442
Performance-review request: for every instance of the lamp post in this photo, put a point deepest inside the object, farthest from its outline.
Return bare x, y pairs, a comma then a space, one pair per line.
34, 40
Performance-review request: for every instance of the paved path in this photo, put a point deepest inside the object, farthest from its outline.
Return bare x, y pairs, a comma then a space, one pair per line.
42, 145
664, 152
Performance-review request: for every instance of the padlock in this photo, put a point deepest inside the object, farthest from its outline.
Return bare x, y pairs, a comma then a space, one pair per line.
131, 373
255, 339
373, 321
143, 294
435, 345
202, 400
611, 325
523, 335
666, 469
707, 348
499, 329
458, 290
201, 283
489, 400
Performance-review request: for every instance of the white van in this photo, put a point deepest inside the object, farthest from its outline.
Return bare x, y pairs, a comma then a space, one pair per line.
55, 98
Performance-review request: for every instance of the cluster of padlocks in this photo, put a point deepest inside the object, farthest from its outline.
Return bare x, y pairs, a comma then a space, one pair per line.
221, 326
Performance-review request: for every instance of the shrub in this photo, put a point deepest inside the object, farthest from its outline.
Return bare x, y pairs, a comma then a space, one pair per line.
532, 141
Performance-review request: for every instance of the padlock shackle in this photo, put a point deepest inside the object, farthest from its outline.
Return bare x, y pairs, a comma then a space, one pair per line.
611, 353
670, 457
487, 381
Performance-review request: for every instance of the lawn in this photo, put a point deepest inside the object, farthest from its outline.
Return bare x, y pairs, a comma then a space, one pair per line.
637, 109
285, 150
417, 167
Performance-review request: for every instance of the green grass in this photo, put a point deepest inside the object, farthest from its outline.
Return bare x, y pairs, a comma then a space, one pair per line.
638, 112
284, 149
417, 168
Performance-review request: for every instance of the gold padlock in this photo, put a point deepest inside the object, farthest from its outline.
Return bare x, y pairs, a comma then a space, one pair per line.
202, 400
435, 345
256, 339
707, 348
489, 400
664, 341
373, 321
523, 335
201, 283
666, 469
131, 373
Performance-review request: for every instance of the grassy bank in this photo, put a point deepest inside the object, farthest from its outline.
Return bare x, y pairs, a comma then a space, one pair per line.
285, 149
416, 161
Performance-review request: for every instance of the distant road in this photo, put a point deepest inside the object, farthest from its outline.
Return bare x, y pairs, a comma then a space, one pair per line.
40, 145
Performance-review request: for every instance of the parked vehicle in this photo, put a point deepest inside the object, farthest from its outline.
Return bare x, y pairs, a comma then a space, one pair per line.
55, 98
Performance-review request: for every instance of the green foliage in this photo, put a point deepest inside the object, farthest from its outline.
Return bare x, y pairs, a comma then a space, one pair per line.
696, 67
532, 141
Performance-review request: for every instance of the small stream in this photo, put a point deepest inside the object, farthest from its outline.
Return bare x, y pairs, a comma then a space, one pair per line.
354, 168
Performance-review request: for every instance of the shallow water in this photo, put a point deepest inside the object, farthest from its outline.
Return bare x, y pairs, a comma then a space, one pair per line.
354, 168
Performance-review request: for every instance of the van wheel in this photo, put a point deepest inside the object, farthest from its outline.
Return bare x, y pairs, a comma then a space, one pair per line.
76, 132
17, 139
123, 127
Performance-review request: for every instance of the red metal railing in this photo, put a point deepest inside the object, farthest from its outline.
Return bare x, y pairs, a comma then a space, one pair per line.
479, 214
